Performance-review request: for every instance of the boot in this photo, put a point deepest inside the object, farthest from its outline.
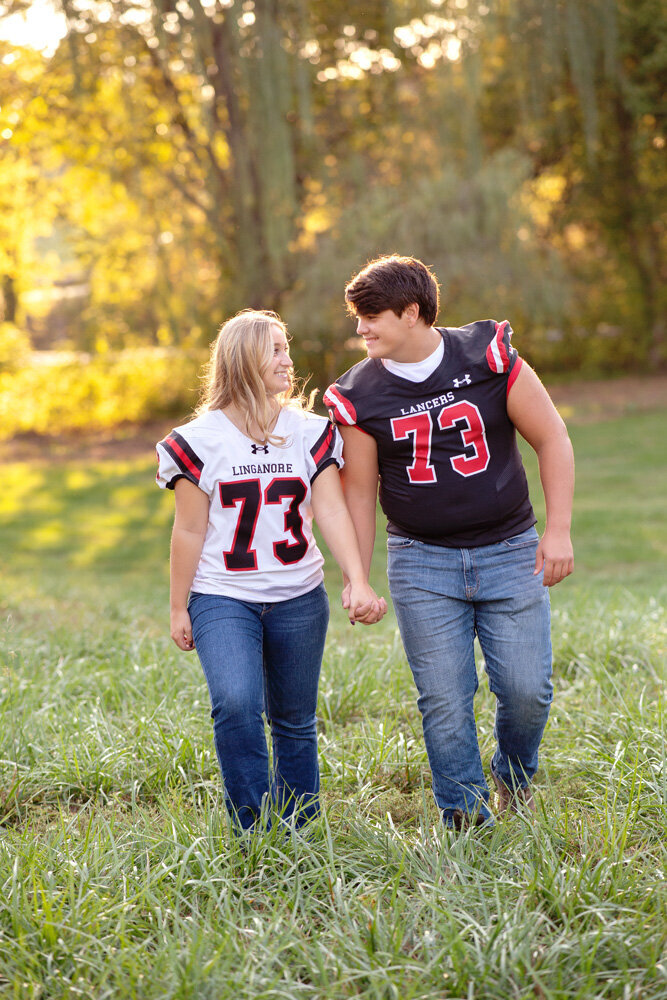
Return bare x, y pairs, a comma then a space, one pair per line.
513, 800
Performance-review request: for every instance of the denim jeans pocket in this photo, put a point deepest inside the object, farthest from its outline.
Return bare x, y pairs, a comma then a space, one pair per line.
527, 537
399, 542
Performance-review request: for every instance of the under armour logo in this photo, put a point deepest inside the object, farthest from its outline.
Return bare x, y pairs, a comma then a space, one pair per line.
466, 380
256, 448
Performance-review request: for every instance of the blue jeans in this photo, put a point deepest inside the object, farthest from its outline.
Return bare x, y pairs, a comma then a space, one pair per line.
264, 659
443, 598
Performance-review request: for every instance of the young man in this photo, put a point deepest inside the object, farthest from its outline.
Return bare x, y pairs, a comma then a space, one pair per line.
431, 415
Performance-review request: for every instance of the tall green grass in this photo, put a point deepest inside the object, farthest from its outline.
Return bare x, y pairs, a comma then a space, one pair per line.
118, 874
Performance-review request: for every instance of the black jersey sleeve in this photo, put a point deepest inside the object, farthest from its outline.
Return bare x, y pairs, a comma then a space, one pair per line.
341, 408
501, 357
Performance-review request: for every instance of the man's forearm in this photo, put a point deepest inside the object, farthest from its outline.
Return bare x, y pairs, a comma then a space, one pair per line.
556, 464
363, 514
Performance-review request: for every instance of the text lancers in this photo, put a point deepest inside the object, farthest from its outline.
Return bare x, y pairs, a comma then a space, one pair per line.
430, 404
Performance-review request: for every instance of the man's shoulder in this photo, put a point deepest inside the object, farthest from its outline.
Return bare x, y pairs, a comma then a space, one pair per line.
482, 343
359, 381
359, 374
347, 397
471, 334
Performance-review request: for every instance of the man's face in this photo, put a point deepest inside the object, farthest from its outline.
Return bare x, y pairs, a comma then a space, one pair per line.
387, 335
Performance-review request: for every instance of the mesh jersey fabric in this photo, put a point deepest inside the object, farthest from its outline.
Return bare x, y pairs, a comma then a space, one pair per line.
450, 469
259, 543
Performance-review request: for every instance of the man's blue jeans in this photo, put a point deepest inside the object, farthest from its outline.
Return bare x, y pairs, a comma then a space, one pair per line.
264, 659
443, 598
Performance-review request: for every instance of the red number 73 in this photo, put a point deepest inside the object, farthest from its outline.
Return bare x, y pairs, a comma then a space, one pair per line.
462, 416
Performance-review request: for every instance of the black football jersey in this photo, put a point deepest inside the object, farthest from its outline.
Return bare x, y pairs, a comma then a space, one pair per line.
450, 470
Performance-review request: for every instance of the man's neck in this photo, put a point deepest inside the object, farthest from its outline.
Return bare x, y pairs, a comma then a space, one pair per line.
423, 342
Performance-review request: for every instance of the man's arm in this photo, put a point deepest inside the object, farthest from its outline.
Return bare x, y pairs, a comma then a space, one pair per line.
532, 412
334, 521
360, 484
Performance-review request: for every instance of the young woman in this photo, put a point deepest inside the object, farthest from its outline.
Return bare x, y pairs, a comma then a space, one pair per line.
249, 472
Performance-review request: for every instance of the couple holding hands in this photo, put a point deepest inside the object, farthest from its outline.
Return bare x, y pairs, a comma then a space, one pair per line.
430, 418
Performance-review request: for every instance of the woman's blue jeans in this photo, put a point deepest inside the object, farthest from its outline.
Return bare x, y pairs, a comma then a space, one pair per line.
264, 660
443, 598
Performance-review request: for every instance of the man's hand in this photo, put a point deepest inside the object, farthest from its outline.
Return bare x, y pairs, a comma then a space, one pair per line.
554, 556
363, 604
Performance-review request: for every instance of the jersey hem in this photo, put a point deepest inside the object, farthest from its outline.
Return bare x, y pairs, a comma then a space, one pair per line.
256, 596
466, 541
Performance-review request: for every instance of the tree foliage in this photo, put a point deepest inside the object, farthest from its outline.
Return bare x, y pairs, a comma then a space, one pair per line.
175, 160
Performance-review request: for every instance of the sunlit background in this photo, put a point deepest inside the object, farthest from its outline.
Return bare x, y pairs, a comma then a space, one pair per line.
164, 164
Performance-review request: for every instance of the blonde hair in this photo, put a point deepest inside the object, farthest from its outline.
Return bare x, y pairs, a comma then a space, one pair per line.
240, 357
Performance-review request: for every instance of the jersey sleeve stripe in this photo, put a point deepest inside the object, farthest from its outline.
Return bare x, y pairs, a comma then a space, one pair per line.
343, 410
322, 466
323, 447
184, 456
496, 353
513, 374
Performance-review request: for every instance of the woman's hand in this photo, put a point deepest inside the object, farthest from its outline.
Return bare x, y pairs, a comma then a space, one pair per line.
181, 629
363, 604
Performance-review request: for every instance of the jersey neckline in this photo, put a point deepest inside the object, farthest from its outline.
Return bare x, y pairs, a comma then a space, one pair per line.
398, 380
226, 420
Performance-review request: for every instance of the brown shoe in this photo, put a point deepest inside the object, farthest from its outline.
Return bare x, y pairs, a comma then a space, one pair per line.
462, 820
513, 800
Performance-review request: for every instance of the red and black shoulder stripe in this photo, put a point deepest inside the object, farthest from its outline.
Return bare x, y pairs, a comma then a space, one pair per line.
342, 410
500, 352
183, 455
323, 450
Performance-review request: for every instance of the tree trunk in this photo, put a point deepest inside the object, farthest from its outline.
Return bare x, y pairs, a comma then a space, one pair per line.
637, 226
10, 299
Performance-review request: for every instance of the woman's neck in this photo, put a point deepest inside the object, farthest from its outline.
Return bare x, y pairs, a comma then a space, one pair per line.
239, 416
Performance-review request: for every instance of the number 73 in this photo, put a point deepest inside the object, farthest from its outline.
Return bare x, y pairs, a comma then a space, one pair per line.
464, 417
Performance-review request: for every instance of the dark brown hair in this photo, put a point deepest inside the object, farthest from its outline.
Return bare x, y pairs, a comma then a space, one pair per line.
394, 283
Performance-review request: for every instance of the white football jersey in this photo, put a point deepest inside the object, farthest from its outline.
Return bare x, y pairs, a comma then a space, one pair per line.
259, 543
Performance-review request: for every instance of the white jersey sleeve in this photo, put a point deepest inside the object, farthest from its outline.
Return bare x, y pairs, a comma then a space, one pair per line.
177, 459
323, 445
259, 543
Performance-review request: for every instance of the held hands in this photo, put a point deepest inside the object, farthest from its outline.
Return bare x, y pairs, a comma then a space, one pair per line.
555, 556
181, 629
363, 604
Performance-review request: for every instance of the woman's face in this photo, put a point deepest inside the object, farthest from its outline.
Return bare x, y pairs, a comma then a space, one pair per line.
277, 377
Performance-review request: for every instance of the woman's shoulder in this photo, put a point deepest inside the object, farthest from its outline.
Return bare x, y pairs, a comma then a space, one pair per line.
201, 424
296, 416
196, 431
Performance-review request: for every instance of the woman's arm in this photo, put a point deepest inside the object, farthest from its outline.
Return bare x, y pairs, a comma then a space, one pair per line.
334, 521
532, 412
187, 541
360, 476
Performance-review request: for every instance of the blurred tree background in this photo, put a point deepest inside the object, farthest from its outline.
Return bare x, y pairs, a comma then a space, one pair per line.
167, 162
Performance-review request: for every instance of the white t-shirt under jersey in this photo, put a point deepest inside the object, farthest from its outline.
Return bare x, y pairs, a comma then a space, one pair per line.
259, 543
416, 371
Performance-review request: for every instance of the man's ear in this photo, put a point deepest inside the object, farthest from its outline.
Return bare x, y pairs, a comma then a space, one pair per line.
411, 313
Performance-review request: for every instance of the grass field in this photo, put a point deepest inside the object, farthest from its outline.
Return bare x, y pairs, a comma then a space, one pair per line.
118, 877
